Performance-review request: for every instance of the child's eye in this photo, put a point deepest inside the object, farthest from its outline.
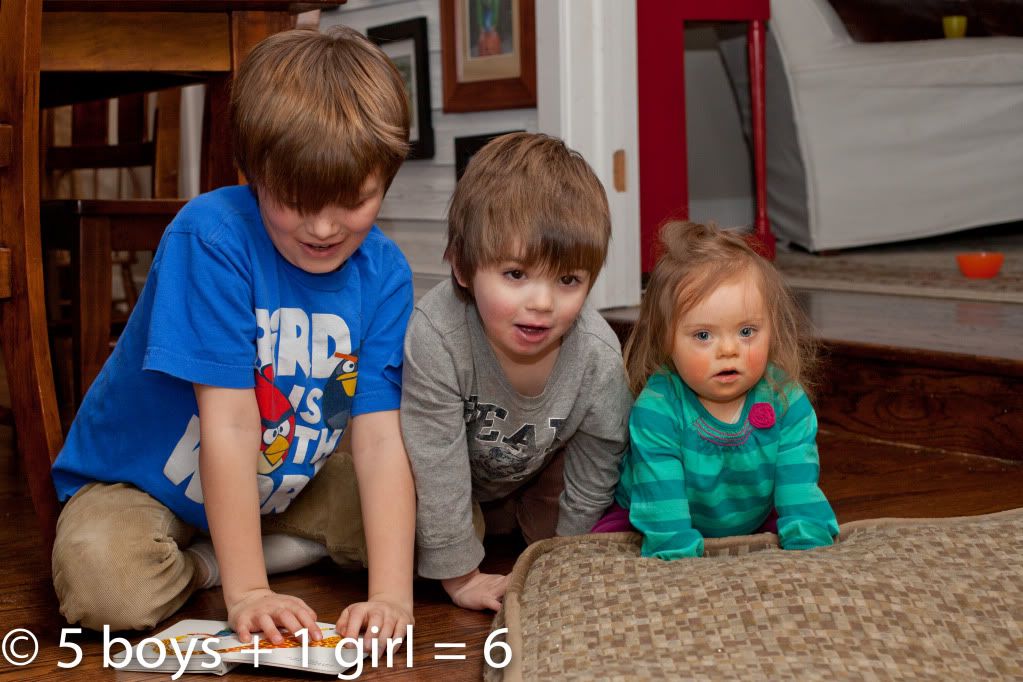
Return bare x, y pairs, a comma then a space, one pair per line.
747, 332
514, 274
702, 336
569, 280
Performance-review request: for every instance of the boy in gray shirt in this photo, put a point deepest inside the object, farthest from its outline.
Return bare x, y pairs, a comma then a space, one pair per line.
514, 401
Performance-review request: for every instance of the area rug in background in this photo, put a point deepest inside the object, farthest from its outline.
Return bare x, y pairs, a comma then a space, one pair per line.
896, 599
919, 268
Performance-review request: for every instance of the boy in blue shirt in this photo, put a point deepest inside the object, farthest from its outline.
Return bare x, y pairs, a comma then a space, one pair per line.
272, 313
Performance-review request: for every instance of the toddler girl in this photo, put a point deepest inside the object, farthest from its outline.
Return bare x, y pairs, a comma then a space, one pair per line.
723, 436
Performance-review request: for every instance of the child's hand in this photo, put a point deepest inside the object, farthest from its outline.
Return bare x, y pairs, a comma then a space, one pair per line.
265, 610
477, 590
390, 616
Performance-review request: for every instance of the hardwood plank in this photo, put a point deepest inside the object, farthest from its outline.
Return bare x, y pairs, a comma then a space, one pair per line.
868, 479
966, 328
917, 357
6, 138
954, 409
5, 273
109, 41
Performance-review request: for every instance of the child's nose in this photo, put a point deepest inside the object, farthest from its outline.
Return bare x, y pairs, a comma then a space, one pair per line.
322, 227
541, 297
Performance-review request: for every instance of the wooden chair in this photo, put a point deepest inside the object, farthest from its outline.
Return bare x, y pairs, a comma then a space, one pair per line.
195, 41
79, 301
91, 231
23, 335
91, 49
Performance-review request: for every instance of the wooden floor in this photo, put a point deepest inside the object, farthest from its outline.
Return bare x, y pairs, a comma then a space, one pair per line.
863, 477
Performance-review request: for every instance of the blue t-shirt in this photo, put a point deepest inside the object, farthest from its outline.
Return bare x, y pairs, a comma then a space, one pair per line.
221, 307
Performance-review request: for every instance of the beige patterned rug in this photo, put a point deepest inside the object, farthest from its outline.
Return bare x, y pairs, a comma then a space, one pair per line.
920, 268
938, 599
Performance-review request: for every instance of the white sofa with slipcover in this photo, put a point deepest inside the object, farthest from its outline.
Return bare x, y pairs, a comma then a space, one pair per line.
870, 143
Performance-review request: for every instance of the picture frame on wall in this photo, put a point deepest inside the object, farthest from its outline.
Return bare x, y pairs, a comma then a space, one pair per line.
405, 43
488, 54
465, 147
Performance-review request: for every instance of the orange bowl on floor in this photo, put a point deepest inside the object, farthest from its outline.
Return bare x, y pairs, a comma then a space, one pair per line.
980, 264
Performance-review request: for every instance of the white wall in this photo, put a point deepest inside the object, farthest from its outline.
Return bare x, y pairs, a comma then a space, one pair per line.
414, 213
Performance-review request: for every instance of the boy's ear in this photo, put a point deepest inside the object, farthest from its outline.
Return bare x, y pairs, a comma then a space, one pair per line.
458, 276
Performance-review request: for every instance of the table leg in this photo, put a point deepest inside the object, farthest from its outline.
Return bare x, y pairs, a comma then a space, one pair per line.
247, 29
217, 165
91, 265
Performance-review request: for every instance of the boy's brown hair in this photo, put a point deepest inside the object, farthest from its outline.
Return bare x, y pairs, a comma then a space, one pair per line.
315, 114
527, 196
694, 260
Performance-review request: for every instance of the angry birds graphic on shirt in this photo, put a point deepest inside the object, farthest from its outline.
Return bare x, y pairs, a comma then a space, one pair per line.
278, 421
305, 375
339, 391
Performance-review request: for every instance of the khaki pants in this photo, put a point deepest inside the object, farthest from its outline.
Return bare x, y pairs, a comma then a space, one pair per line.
533, 508
118, 558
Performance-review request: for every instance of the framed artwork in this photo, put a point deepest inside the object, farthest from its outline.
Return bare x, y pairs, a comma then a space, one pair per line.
488, 54
405, 43
465, 147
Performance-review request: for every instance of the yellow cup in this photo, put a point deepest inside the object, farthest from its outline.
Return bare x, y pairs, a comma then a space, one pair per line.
954, 25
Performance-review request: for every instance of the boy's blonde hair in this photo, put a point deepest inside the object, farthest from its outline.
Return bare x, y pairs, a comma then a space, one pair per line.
527, 196
694, 260
315, 114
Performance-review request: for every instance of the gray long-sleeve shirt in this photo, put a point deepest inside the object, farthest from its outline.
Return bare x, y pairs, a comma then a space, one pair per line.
470, 434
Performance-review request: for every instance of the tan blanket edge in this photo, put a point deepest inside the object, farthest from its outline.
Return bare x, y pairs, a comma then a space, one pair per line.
510, 614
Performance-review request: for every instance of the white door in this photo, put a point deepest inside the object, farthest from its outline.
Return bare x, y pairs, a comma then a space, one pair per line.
586, 95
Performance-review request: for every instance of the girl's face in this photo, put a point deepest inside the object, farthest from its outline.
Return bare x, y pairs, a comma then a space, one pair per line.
721, 345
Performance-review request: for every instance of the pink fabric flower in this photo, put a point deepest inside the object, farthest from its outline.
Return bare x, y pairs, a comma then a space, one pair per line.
761, 415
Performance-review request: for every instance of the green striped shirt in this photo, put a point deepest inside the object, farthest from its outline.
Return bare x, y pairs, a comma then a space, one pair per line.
687, 475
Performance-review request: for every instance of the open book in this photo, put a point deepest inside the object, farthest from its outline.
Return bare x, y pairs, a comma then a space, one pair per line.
210, 646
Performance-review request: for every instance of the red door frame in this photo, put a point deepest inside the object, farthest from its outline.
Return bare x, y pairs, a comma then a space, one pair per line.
663, 184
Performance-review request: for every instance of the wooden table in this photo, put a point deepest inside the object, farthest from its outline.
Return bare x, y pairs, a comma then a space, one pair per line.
662, 110
94, 49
